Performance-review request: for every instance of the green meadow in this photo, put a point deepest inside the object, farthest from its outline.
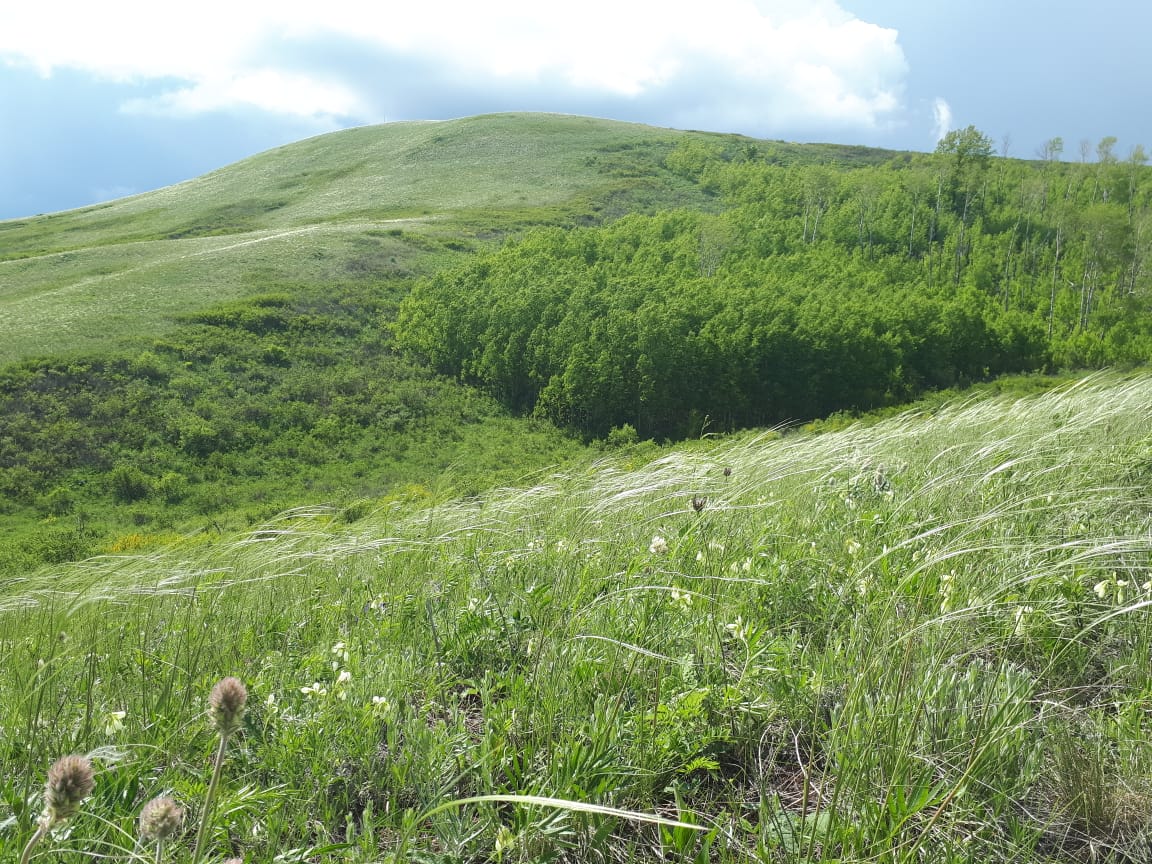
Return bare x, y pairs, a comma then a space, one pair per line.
568, 490
922, 638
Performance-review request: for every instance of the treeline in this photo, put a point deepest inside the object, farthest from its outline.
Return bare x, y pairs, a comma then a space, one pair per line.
821, 287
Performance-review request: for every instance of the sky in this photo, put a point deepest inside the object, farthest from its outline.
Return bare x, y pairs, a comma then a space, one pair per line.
102, 100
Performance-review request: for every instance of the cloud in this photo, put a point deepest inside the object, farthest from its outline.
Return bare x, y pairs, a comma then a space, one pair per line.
942, 118
753, 65
273, 90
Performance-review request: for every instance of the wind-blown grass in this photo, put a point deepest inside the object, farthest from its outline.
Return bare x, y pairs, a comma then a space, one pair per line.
921, 639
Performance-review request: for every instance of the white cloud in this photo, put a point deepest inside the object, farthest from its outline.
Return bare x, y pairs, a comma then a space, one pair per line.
770, 63
267, 89
941, 118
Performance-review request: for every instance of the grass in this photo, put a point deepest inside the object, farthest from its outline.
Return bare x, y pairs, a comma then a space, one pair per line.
84, 279
924, 638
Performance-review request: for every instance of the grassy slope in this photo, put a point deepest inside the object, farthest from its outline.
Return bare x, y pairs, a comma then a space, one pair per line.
354, 213
315, 210
922, 639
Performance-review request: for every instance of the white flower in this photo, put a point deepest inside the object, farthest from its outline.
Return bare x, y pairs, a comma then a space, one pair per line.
1101, 588
344, 677
1021, 612
114, 722
853, 546
314, 690
658, 546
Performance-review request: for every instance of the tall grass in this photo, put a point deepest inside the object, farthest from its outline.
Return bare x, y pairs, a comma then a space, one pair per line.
924, 639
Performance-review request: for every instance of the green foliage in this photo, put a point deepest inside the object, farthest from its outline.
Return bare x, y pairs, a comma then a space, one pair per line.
245, 410
822, 288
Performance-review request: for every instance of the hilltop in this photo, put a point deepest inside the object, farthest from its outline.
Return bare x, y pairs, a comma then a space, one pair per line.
369, 202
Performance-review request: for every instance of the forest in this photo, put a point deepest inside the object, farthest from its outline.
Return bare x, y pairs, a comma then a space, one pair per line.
815, 288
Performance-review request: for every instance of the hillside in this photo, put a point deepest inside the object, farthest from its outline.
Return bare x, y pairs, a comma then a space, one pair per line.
920, 639
368, 202
196, 359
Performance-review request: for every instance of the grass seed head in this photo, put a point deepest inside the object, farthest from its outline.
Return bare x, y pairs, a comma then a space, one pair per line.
70, 781
160, 819
226, 705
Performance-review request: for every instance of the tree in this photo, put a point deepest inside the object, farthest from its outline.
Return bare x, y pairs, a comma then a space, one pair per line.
969, 148
968, 151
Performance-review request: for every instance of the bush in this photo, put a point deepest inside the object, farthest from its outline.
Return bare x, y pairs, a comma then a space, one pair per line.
129, 484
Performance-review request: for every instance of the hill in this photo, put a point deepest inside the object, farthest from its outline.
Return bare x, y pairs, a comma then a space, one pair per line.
368, 202
196, 359
920, 639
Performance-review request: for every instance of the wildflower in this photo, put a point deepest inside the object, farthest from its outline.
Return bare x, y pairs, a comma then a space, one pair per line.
344, 677
69, 783
853, 546
946, 586
226, 709
699, 502
341, 651
1021, 613
658, 546
739, 629
114, 722
314, 689
1102, 588
226, 705
727, 471
682, 598
160, 819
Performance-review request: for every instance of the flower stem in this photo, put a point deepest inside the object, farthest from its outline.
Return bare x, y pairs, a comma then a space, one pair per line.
209, 799
41, 831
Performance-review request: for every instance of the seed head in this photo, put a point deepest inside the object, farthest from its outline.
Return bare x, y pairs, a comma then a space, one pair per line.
160, 819
727, 471
226, 705
69, 783
698, 502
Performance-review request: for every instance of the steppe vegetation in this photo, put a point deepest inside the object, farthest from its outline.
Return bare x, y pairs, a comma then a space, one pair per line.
366, 423
924, 638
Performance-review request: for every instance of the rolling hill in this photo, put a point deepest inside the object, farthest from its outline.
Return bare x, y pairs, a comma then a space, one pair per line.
365, 202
